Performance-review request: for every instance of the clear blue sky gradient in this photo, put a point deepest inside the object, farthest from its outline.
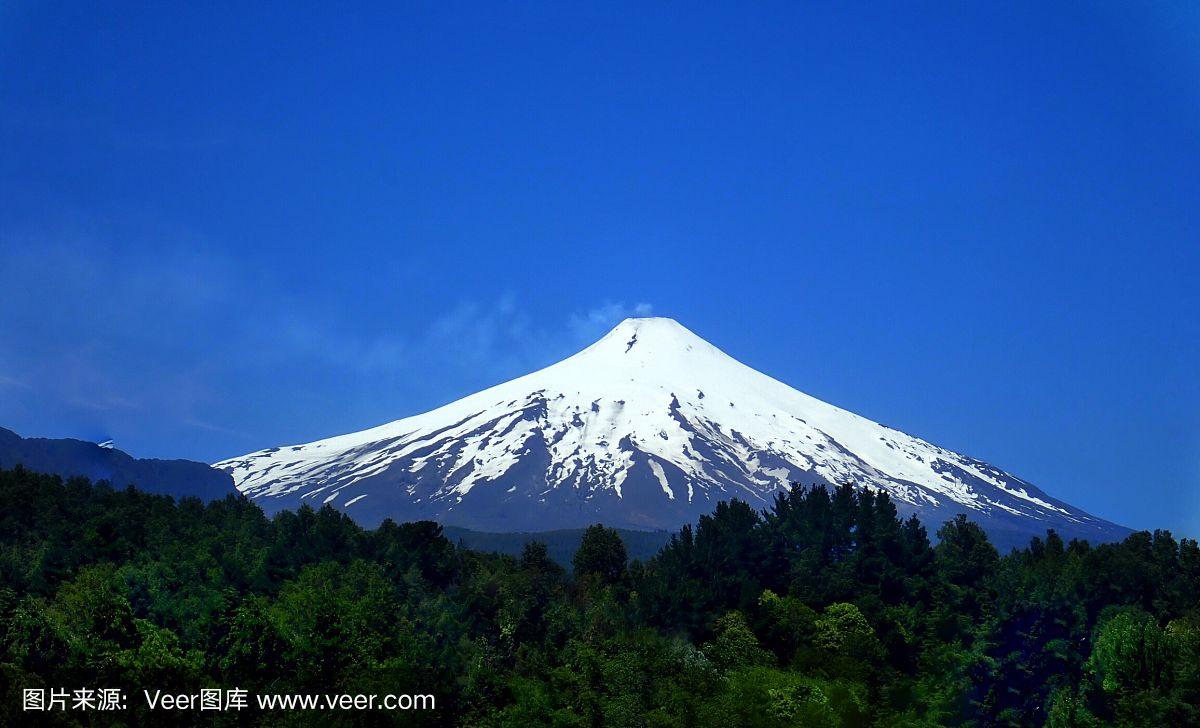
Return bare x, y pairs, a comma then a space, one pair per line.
224, 229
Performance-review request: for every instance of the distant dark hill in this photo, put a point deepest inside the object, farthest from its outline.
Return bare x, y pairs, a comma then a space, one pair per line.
561, 544
67, 457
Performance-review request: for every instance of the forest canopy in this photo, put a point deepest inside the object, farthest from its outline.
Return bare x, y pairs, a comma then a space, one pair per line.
824, 609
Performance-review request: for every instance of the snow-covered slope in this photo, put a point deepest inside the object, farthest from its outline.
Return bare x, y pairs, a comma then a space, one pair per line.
648, 427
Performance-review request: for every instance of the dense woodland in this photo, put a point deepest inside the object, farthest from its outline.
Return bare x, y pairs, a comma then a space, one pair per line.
824, 610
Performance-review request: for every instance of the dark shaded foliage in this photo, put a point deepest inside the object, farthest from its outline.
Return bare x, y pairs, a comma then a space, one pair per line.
826, 609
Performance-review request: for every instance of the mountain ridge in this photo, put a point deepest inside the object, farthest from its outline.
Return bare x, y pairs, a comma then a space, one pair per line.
67, 457
647, 428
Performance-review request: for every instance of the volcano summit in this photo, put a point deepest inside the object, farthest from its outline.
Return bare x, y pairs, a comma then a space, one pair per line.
649, 427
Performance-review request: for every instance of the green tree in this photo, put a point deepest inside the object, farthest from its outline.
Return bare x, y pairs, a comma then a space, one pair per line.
787, 624
735, 646
601, 555
1131, 653
251, 647
842, 629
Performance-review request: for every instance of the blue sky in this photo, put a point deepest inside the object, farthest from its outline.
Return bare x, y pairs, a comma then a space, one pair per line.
222, 229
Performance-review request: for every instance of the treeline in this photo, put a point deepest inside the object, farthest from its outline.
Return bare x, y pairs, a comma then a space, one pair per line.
561, 544
826, 609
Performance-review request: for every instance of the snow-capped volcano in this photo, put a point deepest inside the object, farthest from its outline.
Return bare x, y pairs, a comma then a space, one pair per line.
649, 427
